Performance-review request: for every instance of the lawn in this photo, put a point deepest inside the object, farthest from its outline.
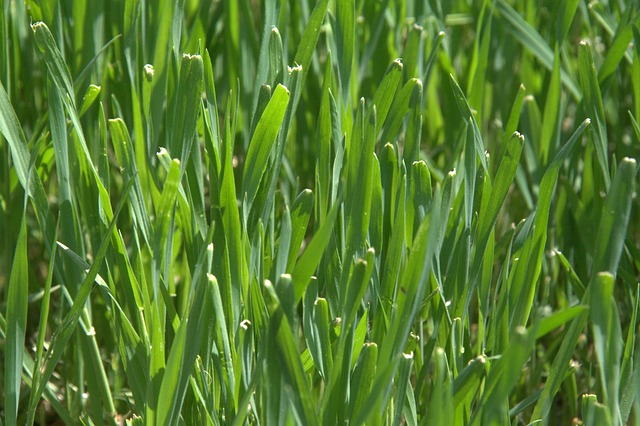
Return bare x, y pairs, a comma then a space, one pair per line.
319, 212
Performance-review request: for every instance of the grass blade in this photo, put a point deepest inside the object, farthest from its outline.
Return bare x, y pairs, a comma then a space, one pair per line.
16, 327
263, 140
12, 131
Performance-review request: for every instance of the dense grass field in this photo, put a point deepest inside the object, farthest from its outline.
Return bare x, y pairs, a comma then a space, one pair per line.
319, 212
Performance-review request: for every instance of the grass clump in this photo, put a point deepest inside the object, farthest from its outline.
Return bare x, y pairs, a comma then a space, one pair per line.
319, 212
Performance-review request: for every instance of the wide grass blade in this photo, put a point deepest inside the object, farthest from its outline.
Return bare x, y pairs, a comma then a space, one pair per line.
312, 255
300, 215
607, 337
263, 140
184, 111
16, 326
345, 41
12, 131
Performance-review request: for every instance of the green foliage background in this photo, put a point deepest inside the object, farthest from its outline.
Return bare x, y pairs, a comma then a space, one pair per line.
319, 212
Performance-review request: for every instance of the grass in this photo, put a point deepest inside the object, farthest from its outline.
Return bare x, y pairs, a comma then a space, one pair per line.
255, 213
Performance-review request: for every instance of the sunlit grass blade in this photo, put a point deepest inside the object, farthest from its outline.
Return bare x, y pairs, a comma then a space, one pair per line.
384, 95
441, 401
399, 109
412, 289
263, 140
404, 373
63, 83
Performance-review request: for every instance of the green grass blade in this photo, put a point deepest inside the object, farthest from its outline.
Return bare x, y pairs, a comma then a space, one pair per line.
345, 41
551, 118
595, 413
558, 319
42, 326
628, 391
619, 46
413, 286
16, 327
468, 381
310, 37
565, 19
607, 337
323, 147
469, 118
384, 95
124, 153
63, 83
399, 109
12, 131
441, 401
262, 142
404, 373
480, 59
310, 259
363, 377
184, 111
594, 107
300, 215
